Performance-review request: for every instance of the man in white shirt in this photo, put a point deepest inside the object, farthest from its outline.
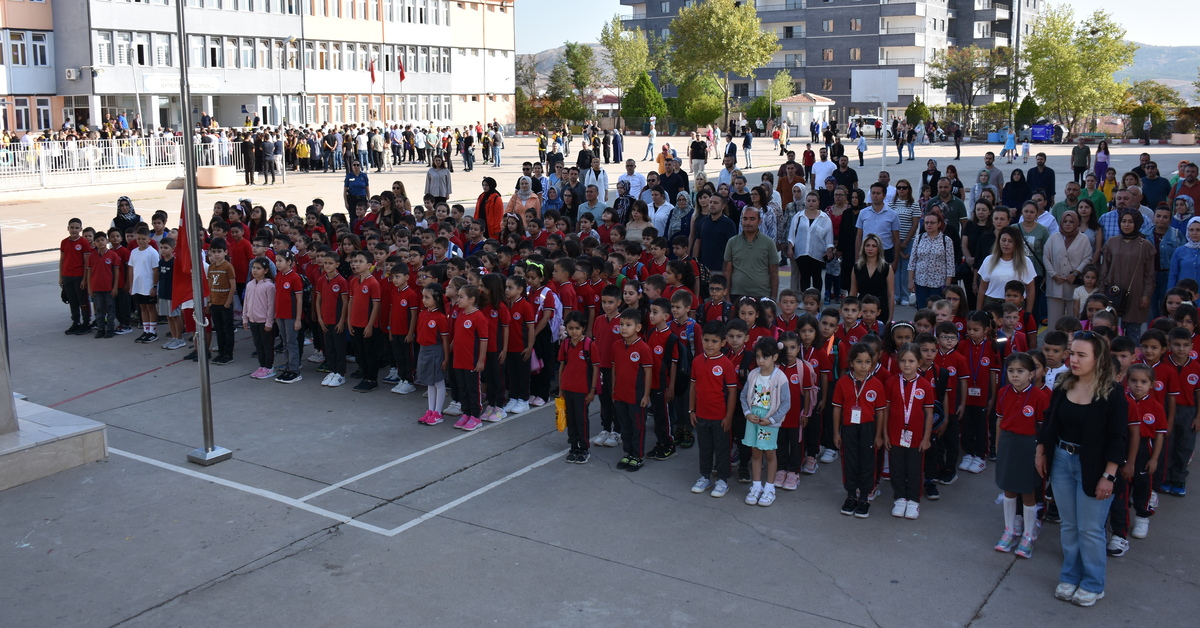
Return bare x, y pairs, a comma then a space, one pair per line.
651, 182
822, 169
726, 174
598, 177
650, 146
660, 210
635, 179
885, 178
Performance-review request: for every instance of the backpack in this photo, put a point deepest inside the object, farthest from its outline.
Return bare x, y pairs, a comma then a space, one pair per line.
702, 273
941, 381
683, 372
306, 297
726, 310
556, 321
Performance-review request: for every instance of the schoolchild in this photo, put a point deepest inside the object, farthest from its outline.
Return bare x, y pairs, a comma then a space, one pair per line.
711, 401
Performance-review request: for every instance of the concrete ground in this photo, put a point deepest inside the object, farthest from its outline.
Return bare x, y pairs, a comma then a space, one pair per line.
339, 509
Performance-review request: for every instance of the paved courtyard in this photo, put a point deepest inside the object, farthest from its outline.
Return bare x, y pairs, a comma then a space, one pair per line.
338, 509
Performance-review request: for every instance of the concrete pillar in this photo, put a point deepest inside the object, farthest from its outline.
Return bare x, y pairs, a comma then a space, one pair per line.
95, 116
150, 112
208, 106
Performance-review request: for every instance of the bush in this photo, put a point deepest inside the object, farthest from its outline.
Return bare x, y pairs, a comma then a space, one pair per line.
1027, 113
759, 108
916, 112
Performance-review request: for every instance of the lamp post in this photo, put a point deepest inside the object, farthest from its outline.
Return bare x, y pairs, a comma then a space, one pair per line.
283, 56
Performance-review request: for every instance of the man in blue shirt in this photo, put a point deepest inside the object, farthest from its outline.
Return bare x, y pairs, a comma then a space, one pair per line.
880, 220
712, 232
357, 187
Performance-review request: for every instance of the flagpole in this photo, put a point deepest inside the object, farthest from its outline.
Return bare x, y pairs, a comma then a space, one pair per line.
209, 454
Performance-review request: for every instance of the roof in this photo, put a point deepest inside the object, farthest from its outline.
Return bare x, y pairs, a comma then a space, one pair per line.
805, 99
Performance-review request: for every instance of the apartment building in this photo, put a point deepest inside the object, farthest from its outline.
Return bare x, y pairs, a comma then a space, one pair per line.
300, 61
823, 40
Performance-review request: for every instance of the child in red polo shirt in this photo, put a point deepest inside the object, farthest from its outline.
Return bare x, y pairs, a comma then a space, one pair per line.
100, 282
1184, 424
364, 315
802, 383
908, 425
73, 253
433, 337
1148, 414
289, 314
606, 332
496, 310
859, 406
983, 371
711, 399
632, 366
470, 344
1020, 406
665, 355
522, 318
849, 331
332, 299
402, 326
577, 374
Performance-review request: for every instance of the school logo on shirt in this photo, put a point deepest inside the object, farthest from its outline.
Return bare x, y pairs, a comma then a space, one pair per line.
1158, 385
467, 324
516, 316
432, 324
109, 262
658, 350
984, 361
1193, 379
959, 326
1192, 354
581, 356
952, 371
78, 247
717, 370
1027, 411
920, 393
1148, 418
795, 378
337, 288
404, 302
495, 314
635, 356
365, 290
871, 395
616, 328
287, 285
813, 362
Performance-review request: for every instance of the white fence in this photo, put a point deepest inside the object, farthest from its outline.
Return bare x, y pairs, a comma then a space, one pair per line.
61, 164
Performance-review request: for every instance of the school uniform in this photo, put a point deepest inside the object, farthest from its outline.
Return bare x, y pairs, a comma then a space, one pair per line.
364, 295
287, 286
630, 361
1019, 413
818, 358
493, 374
846, 337
665, 356
471, 330
743, 361
1182, 438
402, 312
909, 399
545, 345
432, 328
575, 359
982, 361
859, 403
606, 332
801, 378
333, 291
73, 254
712, 379
713, 311
1151, 420
516, 367
102, 273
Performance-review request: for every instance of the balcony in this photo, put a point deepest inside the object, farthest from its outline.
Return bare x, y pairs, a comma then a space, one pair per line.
892, 61
988, 11
902, 36
777, 5
900, 8
775, 65
633, 17
992, 40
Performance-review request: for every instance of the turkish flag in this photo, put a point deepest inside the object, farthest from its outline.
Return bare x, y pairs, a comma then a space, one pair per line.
181, 275
403, 75
372, 70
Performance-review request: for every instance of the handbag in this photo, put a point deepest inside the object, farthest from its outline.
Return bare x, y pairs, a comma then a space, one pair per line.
1118, 296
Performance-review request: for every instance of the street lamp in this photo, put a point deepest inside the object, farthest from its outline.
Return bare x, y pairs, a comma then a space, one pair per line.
283, 56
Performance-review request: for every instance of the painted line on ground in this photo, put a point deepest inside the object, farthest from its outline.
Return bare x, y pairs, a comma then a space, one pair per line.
131, 377
283, 499
40, 272
473, 494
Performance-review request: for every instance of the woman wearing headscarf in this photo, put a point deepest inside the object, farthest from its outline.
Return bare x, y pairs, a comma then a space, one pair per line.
489, 208
553, 202
1185, 262
930, 175
1182, 211
1127, 262
1065, 255
126, 217
1016, 191
679, 222
622, 204
982, 182
524, 199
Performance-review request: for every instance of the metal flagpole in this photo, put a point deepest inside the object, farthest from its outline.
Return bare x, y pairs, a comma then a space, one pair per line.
208, 454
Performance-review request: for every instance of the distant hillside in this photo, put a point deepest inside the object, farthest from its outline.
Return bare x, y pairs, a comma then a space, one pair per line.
544, 61
1163, 62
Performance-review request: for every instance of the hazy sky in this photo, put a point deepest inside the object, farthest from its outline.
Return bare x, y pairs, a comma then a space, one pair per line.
543, 24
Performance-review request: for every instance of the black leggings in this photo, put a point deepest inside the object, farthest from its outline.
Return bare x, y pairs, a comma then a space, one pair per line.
263, 344
811, 271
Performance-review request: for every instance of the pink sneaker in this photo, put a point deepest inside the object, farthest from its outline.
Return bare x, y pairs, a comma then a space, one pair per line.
434, 418
537, 402
462, 420
486, 415
425, 417
471, 424
260, 373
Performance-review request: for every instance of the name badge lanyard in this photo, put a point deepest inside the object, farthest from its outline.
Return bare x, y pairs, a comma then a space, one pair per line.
911, 397
1028, 392
974, 365
856, 411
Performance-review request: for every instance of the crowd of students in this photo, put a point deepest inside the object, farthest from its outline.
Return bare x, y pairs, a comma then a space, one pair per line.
765, 389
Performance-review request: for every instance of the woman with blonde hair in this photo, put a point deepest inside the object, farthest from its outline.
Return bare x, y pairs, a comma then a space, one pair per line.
1007, 262
873, 275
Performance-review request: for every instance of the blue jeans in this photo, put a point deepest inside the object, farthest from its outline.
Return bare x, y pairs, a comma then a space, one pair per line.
1082, 527
910, 151
495, 156
649, 150
337, 160
924, 294
746, 151
362, 159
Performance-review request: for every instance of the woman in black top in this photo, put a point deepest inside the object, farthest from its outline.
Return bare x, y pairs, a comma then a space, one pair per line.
873, 275
1082, 444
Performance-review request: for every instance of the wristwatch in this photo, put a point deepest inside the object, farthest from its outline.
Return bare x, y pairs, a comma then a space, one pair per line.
1110, 477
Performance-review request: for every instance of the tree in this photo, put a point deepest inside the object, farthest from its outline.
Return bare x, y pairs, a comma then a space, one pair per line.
627, 52
1027, 113
524, 108
1071, 64
700, 100
720, 37
660, 61
581, 62
779, 88
643, 101
526, 74
1151, 99
559, 85
916, 112
965, 73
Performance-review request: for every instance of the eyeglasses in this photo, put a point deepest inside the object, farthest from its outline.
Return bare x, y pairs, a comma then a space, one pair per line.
903, 187
949, 337
1084, 335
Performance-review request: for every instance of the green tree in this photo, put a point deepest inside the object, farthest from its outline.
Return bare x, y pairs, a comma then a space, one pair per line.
524, 108
627, 53
700, 99
559, 85
581, 61
571, 109
1027, 113
660, 61
720, 37
1151, 99
779, 88
643, 100
526, 74
916, 111
965, 73
1071, 63
758, 108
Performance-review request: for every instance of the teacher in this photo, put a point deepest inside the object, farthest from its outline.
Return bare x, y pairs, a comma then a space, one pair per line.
810, 244
1006, 263
932, 266
1082, 444
1066, 254
751, 260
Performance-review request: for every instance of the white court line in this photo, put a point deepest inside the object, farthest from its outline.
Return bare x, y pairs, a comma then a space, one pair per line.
283, 499
388, 465
40, 272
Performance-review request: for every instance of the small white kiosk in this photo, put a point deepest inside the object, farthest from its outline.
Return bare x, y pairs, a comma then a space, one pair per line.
800, 110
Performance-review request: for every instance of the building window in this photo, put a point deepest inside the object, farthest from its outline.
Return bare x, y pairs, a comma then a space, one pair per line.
247, 53
827, 54
741, 90
38, 54
423, 58
325, 109
293, 56
827, 84
794, 60
664, 7
335, 58
214, 53
264, 54
855, 24
162, 51
827, 26
43, 113
104, 48
195, 51
323, 59
310, 55
123, 43
351, 62
446, 60
21, 114
231, 51
856, 54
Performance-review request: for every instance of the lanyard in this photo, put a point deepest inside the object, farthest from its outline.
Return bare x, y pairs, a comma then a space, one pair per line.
1028, 392
911, 396
973, 363
858, 388
811, 353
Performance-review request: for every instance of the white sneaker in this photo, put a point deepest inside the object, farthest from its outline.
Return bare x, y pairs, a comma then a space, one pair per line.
328, 378
521, 407
497, 414
965, 465
912, 510
701, 485
337, 380
1153, 500
308, 341
396, 389
904, 302
898, 508
720, 488
753, 496
830, 455
978, 465
508, 407
317, 357
598, 440
875, 493
454, 409
405, 387
392, 377
614, 439
1141, 527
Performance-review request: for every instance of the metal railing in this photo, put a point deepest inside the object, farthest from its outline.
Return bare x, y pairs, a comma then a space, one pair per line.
901, 30
780, 6
892, 61
66, 163
786, 64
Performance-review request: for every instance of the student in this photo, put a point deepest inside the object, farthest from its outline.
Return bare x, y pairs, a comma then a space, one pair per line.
814, 351
849, 332
433, 338
1014, 292
983, 370
687, 347
142, 284
950, 361
1168, 383
520, 345
788, 302
577, 375
859, 407
221, 292
289, 314
802, 389
116, 244
665, 355
1020, 406
1010, 327
258, 316
402, 326
765, 402
469, 355
870, 310
742, 358
1185, 423
908, 427
101, 277
550, 314
713, 388
493, 307
1054, 347
1148, 415
332, 307
363, 321
73, 253
632, 367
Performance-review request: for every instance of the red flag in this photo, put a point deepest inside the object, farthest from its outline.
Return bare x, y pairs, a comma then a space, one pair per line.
400, 62
372, 70
181, 275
